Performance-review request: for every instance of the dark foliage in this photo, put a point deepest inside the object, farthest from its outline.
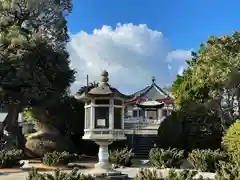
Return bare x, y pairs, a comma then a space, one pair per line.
11, 158
194, 129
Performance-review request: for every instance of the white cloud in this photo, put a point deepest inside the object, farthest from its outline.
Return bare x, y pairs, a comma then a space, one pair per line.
132, 54
180, 70
178, 54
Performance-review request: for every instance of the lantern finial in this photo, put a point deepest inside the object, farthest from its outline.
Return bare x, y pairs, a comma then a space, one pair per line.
153, 79
104, 78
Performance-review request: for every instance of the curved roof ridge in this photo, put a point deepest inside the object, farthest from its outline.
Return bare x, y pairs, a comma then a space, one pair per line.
140, 92
161, 89
144, 91
151, 92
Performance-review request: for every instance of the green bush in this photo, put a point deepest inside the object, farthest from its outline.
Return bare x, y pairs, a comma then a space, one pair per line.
121, 157
58, 175
182, 175
10, 158
147, 174
58, 158
231, 140
206, 160
170, 158
229, 170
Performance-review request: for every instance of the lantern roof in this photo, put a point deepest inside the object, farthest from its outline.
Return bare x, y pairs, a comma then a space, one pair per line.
150, 104
103, 89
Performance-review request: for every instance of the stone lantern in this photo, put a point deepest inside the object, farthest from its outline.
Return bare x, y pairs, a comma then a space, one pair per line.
104, 119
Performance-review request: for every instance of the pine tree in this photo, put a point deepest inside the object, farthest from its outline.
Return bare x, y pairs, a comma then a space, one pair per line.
34, 61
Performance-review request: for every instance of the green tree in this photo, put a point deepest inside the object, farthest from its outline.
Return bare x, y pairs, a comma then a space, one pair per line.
87, 88
66, 115
212, 78
34, 67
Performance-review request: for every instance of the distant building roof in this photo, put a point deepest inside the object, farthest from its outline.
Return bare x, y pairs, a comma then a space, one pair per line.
152, 92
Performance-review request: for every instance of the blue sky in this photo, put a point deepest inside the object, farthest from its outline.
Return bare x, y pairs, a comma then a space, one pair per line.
183, 23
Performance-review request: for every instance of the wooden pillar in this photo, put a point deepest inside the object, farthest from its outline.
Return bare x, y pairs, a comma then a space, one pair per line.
146, 115
157, 117
111, 114
160, 113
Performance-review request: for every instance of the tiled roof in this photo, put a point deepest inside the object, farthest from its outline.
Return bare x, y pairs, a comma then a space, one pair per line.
152, 92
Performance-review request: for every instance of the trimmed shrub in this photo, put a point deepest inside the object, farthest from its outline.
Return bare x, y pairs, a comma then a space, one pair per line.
147, 174
170, 158
182, 175
58, 158
35, 175
121, 157
74, 175
10, 158
229, 170
231, 140
206, 160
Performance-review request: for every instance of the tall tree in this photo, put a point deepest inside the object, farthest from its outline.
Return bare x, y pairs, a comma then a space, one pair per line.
212, 78
34, 65
87, 88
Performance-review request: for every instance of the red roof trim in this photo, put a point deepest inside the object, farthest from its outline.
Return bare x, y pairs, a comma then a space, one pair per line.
165, 100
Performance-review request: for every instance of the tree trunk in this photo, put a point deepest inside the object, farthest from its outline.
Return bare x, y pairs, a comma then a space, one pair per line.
14, 136
238, 103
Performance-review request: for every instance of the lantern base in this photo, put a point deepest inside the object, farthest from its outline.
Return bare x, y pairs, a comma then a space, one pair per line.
107, 174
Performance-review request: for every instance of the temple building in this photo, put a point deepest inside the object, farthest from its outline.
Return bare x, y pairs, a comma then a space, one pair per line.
151, 105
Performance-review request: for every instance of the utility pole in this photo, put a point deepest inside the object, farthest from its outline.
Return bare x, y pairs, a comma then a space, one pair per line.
87, 81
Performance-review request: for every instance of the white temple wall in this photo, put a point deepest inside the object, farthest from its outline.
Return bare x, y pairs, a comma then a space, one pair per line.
159, 115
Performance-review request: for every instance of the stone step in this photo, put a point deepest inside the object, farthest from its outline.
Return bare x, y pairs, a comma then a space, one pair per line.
142, 144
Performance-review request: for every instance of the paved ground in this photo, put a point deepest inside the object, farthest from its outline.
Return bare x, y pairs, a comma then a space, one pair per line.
88, 166
23, 175
130, 171
14, 176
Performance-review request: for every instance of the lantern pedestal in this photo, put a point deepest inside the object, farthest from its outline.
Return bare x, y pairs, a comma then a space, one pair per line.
103, 168
103, 155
